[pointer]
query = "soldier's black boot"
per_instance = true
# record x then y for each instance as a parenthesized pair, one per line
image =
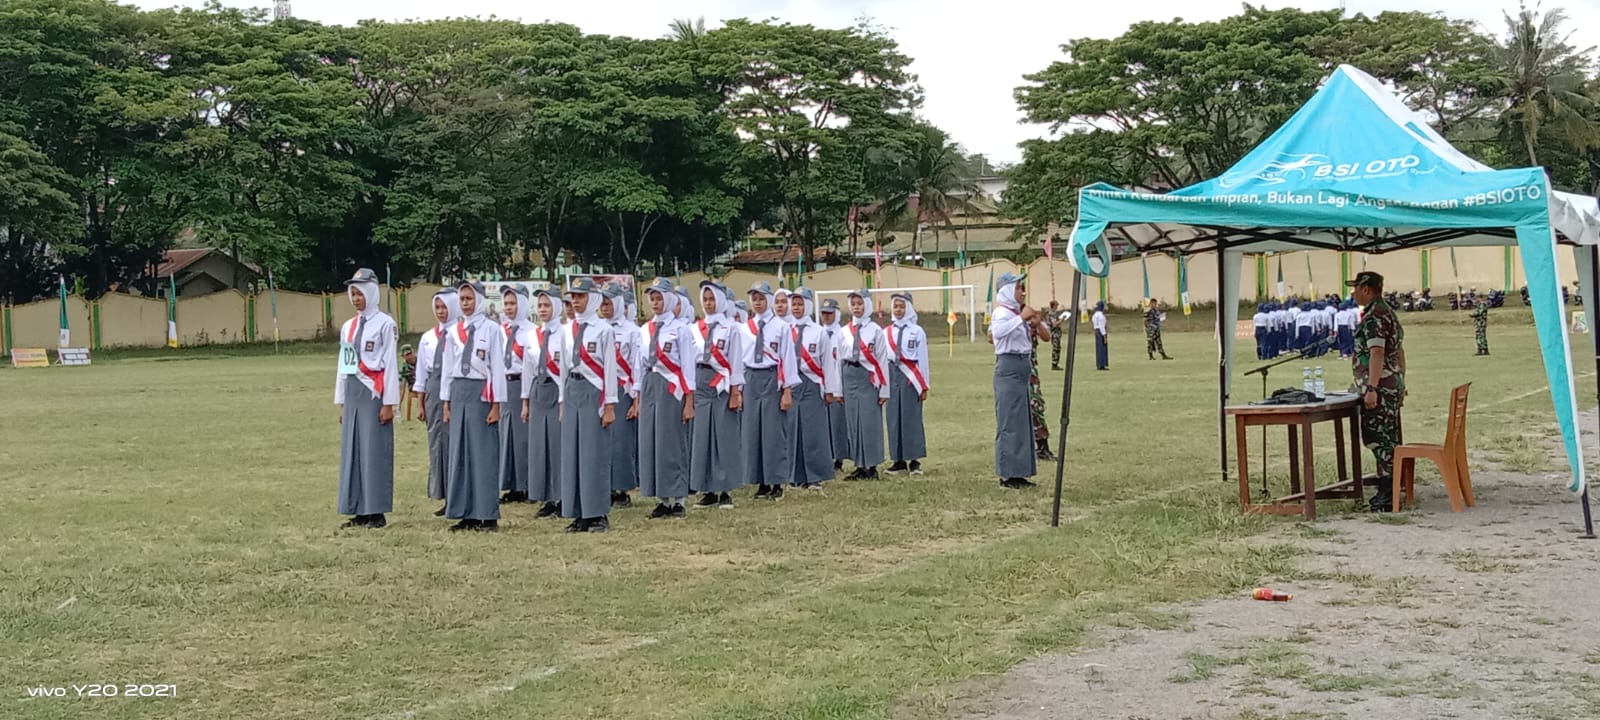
(1383, 499)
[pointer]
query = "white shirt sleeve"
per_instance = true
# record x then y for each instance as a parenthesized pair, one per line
(923, 362)
(735, 358)
(391, 366)
(1004, 322)
(613, 373)
(338, 379)
(497, 366)
(880, 349)
(449, 363)
(788, 360)
(831, 383)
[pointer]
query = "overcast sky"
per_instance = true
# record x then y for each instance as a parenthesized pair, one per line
(968, 55)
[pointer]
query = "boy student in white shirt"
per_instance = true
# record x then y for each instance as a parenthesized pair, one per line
(1102, 349)
(862, 384)
(367, 389)
(769, 377)
(908, 386)
(588, 408)
(474, 385)
(810, 444)
(430, 373)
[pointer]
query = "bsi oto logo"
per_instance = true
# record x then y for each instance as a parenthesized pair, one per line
(1370, 168)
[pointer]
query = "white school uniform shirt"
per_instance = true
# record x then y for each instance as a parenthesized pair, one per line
(1098, 320)
(542, 355)
(908, 345)
(728, 351)
(591, 357)
(486, 357)
(1260, 319)
(375, 352)
(674, 356)
(770, 347)
(811, 349)
(862, 342)
(629, 352)
(1329, 318)
(426, 346)
(1303, 320)
(1012, 336)
(517, 345)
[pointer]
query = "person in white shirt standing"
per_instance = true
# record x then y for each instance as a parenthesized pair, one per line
(862, 384)
(668, 395)
(810, 444)
(838, 437)
(588, 408)
(908, 386)
(1262, 331)
(367, 389)
(542, 372)
(513, 428)
(1012, 329)
(625, 432)
(1102, 349)
(473, 387)
(430, 372)
(768, 378)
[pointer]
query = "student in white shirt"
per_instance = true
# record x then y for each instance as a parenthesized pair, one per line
(1102, 349)
(908, 386)
(862, 383)
(430, 372)
(810, 442)
(668, 396)
(625, 432)
(588, 408)
(769, 376)
(367, 387)
(515, 307)
(716, 349)
(543, 369)
(474, 385)
(1012, 329)
(837, 435)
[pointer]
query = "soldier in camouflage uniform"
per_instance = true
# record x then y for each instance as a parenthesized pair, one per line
(1153, 318)
(1041, 431)
(1480, 325)
(1380, 377)
(1052, 319)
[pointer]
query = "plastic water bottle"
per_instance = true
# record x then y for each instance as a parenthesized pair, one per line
(1318, 384)
(1306, 382)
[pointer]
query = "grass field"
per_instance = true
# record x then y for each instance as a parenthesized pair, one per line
(170, 520)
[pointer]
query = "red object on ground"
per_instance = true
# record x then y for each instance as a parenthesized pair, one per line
(1272, 595)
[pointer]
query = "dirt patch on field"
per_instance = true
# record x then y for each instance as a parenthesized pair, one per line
(1489, 614)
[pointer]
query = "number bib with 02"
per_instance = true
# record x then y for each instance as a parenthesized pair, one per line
(347, 358)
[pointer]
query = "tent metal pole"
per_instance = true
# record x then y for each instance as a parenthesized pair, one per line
(1594, 336)
(1224, 335)
(1066, 393)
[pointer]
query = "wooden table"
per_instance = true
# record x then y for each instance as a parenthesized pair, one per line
(1298, 419)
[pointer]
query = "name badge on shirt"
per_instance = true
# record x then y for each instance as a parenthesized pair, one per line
(590, 346)
(347, 358)
(722, 344)
(666, 347)
(773, 345)
(812, 348)
(371, 346)
(912, 344)
(482, 354)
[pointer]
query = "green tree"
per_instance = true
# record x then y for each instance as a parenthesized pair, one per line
(38, 223)
(927, 184)
(1543, 77)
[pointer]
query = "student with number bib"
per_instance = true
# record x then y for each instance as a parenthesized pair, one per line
(542, 371)
(430, 372)
(908, 387)
(513, 426)
(474, 385)
(837, 436)
(666, 404)
(862, 384)
(588, 408)
(716, 461)
(810, 447)
(625, 431)
(367, 389)
(769, 376)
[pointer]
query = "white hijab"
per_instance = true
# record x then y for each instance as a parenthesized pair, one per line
(521, 317)
(770, 301)
(452, 304)
(724, 304)
(619, 310)
(369, 290)
(866, 307)
(556, 306)
(479, 307)
(1008, 297)
(911, 310)
(592, 313)
(669, 305)
(810, 306)
(741, 312)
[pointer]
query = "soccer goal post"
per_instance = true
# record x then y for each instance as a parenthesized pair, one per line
(932, 303)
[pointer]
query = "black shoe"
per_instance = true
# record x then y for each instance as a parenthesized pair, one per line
(725, 501)
(856, 474)
(598, 525)
(899, 466)
(621, 500)
(550, 509)
(355, 521)
(916, 467)
(1016, 483)
(870, 473)
(763, 491)
(513, 496)
(1166, 357)
(1382, 502)
(1055, 367)
(578, 526)
(838, 465)
(707, 500)
(776, 494)
(377, 521)
(439, 512)
(464, 525)
(487, 526)
(679, 511)
(661, 511)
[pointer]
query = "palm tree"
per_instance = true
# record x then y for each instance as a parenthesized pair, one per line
(932, 180)
(1543, 76)
(685, 30)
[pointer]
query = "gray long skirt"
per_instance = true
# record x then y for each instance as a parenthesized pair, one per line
(585, 458)
(907, 441)
(764, 431)
(838, 437)
(473, 493)
(513, 440)
(438, 438)
(544, 441)
(663, 440)
(810, 447)
(716, 463)
(366, 454)
(863, 418)
(624, 446)
(1013, 432)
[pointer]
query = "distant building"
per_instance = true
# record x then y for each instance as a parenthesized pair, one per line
(773, 261)
(200, 271)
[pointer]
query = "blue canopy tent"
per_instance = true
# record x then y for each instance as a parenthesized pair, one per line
(1356, 170)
